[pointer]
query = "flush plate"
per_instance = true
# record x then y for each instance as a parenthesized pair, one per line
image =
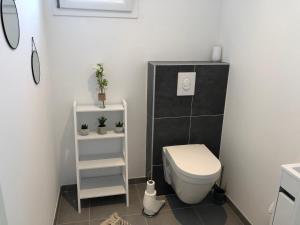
(186, 83)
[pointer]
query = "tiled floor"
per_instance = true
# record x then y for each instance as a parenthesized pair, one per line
(174, 212)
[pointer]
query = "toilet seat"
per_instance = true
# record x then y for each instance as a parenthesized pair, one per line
(193, 161)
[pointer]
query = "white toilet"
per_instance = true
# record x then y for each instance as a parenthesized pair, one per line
(191, 170)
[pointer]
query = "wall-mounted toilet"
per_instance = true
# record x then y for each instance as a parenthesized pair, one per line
(191, 170)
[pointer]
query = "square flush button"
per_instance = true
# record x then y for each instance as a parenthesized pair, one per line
(186, 84)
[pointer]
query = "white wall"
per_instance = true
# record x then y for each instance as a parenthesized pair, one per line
(262, 122)
(165, 30)
(28, 176)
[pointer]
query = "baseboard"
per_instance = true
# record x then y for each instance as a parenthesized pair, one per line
(57, 206)
(238, 212)
(137, 180)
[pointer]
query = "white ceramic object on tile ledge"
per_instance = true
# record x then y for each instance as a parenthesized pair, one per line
(191, 170)
(216, 55)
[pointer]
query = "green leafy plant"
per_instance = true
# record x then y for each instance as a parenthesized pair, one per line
(102, 121)
(84, 126)
(119, 124)
(102, 82)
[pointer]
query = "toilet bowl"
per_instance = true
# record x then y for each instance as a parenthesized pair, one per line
(191, 170)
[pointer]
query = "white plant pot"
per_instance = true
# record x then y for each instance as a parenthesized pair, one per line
(102, 130)
(84, 132)
(119, 129)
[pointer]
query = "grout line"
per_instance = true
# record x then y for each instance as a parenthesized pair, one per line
(215, 115)
(179, 117)
(170, 117)
(192, 101)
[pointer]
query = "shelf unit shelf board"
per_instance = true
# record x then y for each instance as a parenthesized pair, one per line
(94, 108)
(102, 186)
(99, 161)
(93, 135)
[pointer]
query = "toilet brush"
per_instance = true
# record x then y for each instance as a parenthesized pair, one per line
(219, 196)
(151, 205)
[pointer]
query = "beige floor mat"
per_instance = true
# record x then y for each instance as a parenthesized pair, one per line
(115, 219)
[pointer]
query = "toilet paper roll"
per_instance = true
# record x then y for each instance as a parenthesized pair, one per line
(150, 186)
(216, 54)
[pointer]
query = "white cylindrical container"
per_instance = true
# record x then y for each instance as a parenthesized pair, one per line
(216, 55)
(150, 187)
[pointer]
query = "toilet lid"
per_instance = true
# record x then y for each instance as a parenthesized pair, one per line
(193, 160)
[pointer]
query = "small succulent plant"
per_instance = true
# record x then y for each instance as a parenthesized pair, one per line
(84, 126)
(102, 121)
(119, 124)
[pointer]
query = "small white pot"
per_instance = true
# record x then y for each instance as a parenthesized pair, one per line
(119, 129)
(102, 130)
(84, 132)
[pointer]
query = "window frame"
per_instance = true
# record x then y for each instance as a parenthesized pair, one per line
(128, 10)
(99, 5)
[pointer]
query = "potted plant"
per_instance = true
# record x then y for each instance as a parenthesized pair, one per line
(119, 127)
(84, 131)
(102, 84)
(102, 125)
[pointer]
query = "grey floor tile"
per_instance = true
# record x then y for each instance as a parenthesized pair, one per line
(175, 203)
(68, 213)
(79, 223)
(136, 220)
(103, 207)
(176, 217)
(172, 201)
(133, 220)
(140, 189)
(175, 212)
(217, 215)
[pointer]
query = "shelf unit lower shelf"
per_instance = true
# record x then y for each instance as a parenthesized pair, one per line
(101, 161)
(102, 186)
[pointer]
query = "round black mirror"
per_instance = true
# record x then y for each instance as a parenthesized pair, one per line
(10, 22)
(35, 64)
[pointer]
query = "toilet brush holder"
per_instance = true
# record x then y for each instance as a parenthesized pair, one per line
(219, 196)
(151, 204)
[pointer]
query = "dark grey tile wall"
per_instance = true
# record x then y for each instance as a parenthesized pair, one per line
(176, 120)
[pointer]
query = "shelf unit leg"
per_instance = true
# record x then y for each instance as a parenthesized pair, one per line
(127, 200)
(79, 206)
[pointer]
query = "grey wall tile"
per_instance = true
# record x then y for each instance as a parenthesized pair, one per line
(207, 130)
(167, 103)
(171, 131)
(210, 89)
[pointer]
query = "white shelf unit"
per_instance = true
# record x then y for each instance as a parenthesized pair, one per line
(104, 184)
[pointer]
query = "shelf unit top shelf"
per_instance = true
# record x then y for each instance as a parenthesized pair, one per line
(94, 108)
(99, 161)
(102, 186)
(94, 136)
